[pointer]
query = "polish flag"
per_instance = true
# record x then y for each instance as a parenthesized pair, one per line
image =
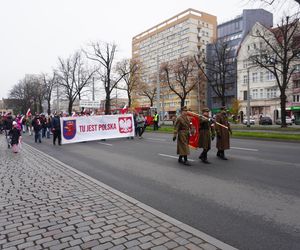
(124, 109)
(28, 113)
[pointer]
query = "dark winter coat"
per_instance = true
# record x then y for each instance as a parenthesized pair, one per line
(15, 135)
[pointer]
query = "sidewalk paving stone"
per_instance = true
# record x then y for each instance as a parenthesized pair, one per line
(45, 204)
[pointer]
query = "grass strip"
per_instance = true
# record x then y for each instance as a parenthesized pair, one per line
(266, 135)
(245, 134)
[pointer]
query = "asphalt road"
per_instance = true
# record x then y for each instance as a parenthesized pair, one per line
(251, 201)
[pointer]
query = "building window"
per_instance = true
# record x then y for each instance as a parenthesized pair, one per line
(261, 76)
(270, 76)
(245, 95)
(254, 77)
(296, 98)
(261, 93)
(245, 79)
(254, 94)
(245, 64)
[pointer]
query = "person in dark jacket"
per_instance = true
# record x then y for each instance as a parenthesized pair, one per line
(37, 127)
(15, 135)
(55, 125)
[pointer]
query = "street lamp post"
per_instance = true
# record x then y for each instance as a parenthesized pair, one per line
(248, 97)
(158, 87)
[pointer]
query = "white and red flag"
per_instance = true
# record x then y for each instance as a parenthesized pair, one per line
(28, 113)
(124, 109)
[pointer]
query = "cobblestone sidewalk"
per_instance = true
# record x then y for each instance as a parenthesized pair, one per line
(45, 204)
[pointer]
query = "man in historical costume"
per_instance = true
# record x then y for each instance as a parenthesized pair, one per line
(206, 134)
(182, 133)
(222, 130)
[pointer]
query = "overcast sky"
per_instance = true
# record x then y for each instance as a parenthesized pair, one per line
(34, 33)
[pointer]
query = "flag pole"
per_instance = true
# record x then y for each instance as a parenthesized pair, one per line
(207, 119)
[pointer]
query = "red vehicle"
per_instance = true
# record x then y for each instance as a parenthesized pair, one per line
(148, 112)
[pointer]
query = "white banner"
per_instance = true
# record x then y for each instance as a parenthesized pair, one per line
(89, 128)
(89, 104)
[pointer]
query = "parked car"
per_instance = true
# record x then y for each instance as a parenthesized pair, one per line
(252, 121)
(265, 120)
(288, 121)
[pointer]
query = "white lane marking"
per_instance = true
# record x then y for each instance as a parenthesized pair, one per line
(155, 139)
(247, 149)
(172, 156)
(106, 144)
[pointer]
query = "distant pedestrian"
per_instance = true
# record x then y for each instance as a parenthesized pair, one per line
(182, 133)
(48, 126)
(37, 127)
(206, 134)
(15, 136)
(55, 126)
(223, 130)
(140, 120)
(155, 121)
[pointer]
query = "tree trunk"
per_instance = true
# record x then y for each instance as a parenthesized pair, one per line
(282, 112)
(70, 107)
(49, 107)
(107, 105)
(129, 101)
(182, 102)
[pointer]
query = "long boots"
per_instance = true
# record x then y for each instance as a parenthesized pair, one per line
(203, 156)
(184, 161)
(221, 154)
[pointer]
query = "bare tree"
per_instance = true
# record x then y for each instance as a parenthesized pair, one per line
(30, 91)
(129, 69)
(279, 50)
(181, 77)
(20, 93)
(73, 76)
(148, 90)
(217, 68)
(104, 55)
(48, 84)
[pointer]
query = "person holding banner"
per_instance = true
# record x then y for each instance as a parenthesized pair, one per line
(206, 134)
(181, 133)
(223, 129)
(55, 127)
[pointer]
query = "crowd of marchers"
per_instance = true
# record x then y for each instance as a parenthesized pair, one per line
(43, 126)
(38, 125)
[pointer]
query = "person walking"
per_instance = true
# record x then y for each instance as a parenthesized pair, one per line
(37, 127)
(140, 120)
(223, 129)
(15, 135)
(206, 134)
(29, 124)
(55, 126)
(155, 121)
(182, 133)
(48, 125)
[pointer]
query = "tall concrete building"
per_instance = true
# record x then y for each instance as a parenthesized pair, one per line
(184, 34)
(233, 33)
